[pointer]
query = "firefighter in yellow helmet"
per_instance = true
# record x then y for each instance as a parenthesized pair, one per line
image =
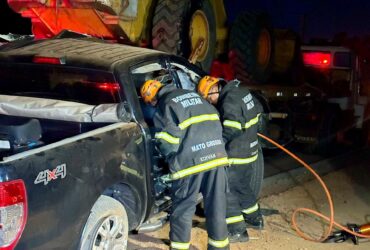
(149, 91)
(239, 113)
(196, 157)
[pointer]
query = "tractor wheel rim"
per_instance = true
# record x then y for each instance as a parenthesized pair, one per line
(199, 29)
(264, 48)
(110, 234)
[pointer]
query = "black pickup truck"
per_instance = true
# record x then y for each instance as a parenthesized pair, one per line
(78, 166)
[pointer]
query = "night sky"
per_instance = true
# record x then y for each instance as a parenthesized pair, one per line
(311, 18)
(328, 17)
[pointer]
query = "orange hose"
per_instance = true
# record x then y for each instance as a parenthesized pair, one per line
(307, 210)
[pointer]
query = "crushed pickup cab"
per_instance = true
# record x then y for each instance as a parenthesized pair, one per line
(78, 166)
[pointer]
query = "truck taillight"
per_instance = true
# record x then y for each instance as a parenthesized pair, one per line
(13, 213)
(320, 59)
(108, 86)
(48, 60)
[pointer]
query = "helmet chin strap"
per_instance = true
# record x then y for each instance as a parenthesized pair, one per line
(220, 86)
(221, 83)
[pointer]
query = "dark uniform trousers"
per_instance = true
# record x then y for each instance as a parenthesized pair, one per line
(241, 196)
(212, 185)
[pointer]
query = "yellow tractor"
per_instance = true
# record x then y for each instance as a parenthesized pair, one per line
(194, 29)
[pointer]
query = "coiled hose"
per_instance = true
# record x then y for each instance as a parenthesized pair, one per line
(330, 219)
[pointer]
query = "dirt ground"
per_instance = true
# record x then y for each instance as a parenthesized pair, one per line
(350, 189)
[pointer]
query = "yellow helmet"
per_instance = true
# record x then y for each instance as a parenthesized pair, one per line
(149, 90)
(205, 85)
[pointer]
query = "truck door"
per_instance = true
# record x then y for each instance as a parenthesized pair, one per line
(138, 74)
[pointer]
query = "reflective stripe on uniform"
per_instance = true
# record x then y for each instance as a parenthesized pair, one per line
(240, 161)
(180, 245)
(234, 219)
(218, 243)
(252, 122)
(167, 137)
(198, 119)
(251, 209)
(200, 168)
(232, 124)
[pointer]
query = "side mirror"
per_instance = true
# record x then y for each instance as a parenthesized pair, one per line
(124, 112)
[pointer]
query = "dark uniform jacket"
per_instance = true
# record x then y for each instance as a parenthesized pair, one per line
(189, 132)
(239, 114)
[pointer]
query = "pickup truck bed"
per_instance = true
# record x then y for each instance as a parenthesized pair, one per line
(62, 184)
(66, 161)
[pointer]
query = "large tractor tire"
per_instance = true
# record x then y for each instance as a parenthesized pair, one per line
(288, 64)
(178, 25)
(251, 47)
(287, 49)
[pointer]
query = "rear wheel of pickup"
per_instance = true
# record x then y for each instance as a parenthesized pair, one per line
(106, 227)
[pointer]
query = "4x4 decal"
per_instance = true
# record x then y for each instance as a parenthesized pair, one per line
(47, 175)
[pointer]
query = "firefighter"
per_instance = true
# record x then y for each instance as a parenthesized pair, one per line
(239, 113)
(196, 157)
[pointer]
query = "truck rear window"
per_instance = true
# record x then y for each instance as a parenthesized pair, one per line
(69, 84)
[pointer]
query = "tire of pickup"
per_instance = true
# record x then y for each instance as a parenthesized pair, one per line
(251, 47)
(174, 19)
(107, 226)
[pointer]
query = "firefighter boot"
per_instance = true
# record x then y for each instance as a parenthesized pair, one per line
(254, 220)
(238, 236)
